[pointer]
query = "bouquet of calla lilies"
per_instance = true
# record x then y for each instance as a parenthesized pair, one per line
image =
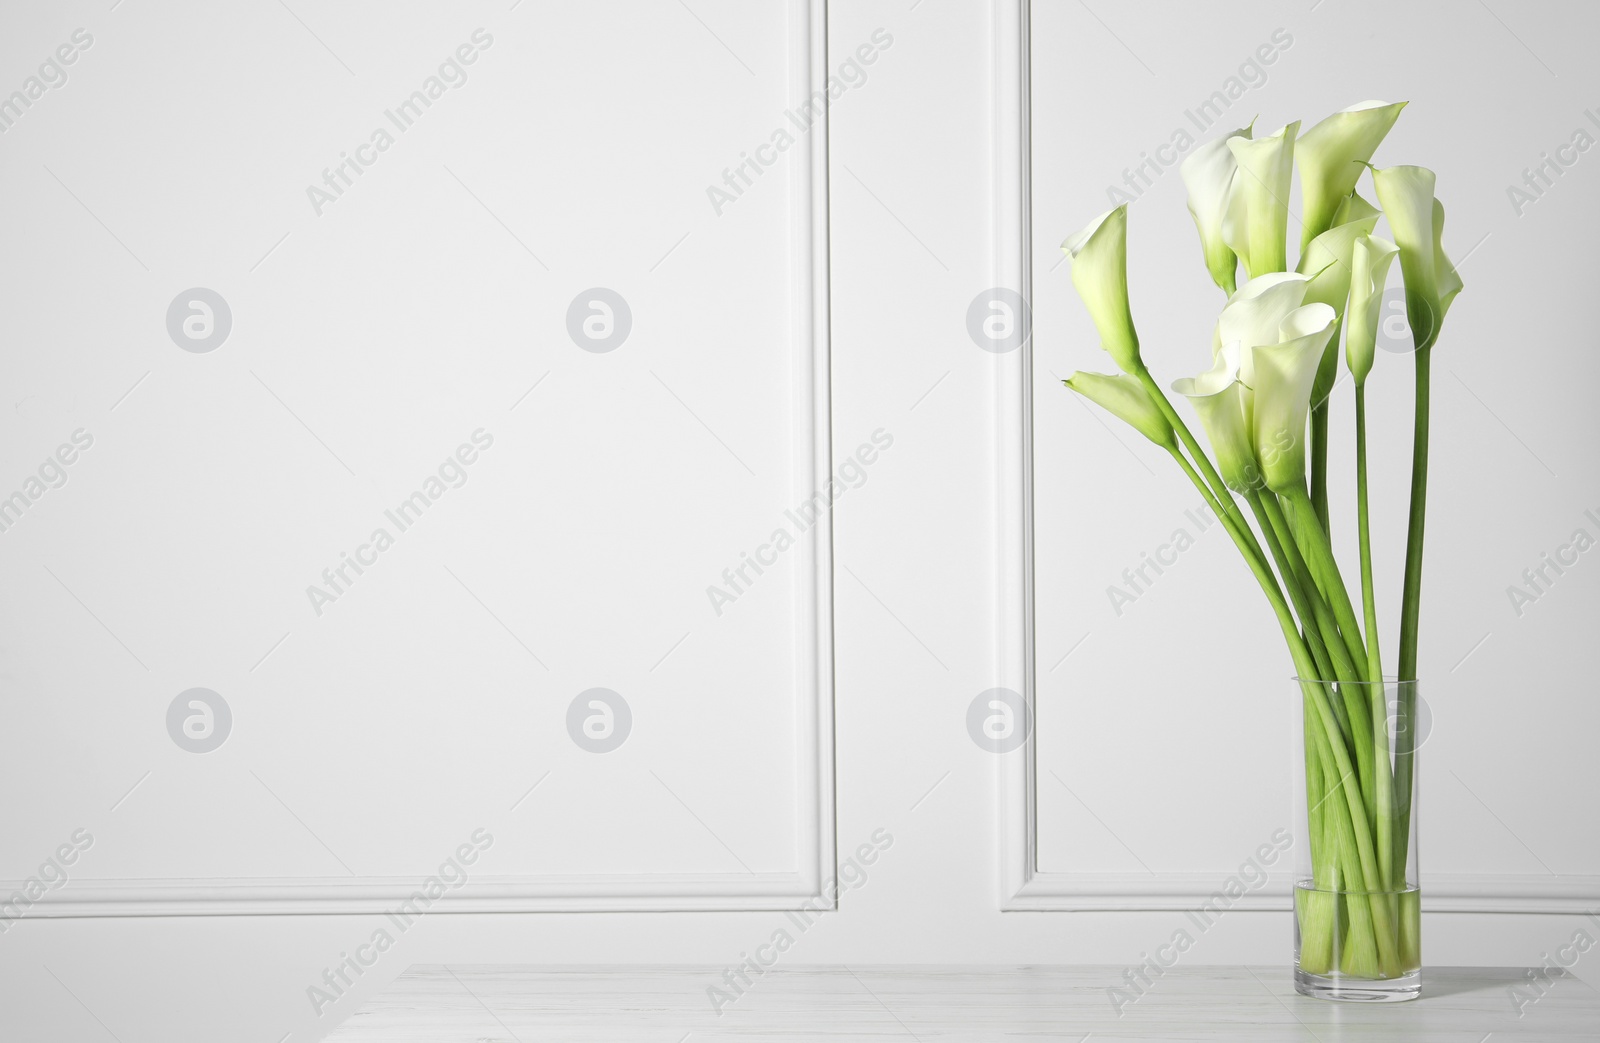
(1263, 405)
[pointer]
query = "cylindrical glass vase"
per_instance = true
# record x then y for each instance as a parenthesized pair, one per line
(1358, 914)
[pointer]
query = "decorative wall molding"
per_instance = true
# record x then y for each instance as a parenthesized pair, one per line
(1023, 886)
(563, 894)
(1441, 893)
(804, 888)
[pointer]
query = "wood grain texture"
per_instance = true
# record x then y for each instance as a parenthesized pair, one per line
(509, 1004)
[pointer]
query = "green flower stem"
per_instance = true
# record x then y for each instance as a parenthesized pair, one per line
(1369, 602)
(1324, 866)
(1370, 925)
(1383, 782)
(1317, 612)
(1303, 663)
(1356, 719)
(1349, 709)
(1297, 582)
(1318, 551)
(1223, 499)
(1373, 946)
(1355, 835)
(1328, 855)
(1341, 844)
(1410, 607)
(1321, 390)
(1318, 909)
(1412, 600)
(1319, 458)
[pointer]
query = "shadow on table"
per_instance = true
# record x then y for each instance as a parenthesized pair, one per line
(1438, 982)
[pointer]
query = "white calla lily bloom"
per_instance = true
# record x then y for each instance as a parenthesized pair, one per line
(1284, 374)
(1222, 400)
(1258, 210)
(1416, 218)
(1369, 269)
(1100, 273)
(1208, 176)
(1253, 315)
(1330, 156)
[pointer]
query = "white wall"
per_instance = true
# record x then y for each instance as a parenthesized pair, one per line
(408, 510)
(916, 594)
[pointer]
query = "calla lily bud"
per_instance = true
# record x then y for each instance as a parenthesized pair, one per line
(1328, 261)
(1284, 374)
(1125, 398)
(1208, 175)
(1417, 220)
(1223, 402)
(1369, 269)
(1331, 155)
(1258, 210)
(1100, 272)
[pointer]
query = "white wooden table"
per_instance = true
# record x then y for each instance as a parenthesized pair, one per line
(519, 1004)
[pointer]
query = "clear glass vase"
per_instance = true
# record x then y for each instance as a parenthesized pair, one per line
(1358, 914)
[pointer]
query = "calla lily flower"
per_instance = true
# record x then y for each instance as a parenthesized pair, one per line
(1208, 175)
(1258, 209)
(1369, 269)
(1253, 315)
(1331, 155)
(1284, 374)
(1223, 402)
(1252, 322)
(1125, 398)
(1100, 272)
(1327, 260)
(1417, 220)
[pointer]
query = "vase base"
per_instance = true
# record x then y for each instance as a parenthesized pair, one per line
(1358, 990)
